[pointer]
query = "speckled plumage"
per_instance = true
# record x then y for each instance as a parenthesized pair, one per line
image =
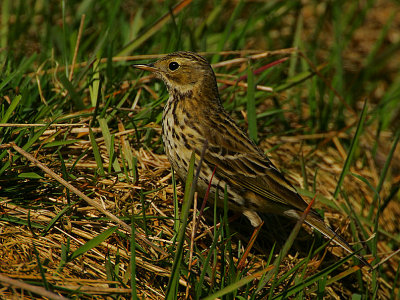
(194, 113)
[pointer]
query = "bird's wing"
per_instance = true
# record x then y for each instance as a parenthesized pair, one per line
(243, 165)
(246, 167)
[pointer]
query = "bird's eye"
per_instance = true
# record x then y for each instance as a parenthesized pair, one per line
(173, 66)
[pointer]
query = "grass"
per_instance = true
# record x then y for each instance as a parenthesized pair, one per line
(316, 85)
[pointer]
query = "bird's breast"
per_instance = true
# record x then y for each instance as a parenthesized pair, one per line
(179, 138)
(182, 134)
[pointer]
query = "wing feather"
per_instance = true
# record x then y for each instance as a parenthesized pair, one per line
(245, 166)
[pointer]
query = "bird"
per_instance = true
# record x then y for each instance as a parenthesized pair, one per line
(193, 117)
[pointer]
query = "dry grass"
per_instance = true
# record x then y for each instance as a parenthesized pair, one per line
(82, 222)
(30, 253)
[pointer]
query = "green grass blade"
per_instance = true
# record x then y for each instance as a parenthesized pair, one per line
(75, 97)
(96, 152)
(5, 17)
(133, 260)
(10, 110)
(94, 242)
(41, 269)
(228, 29)
(199, 285)
(57, 217)
(153, 29)
(351, 151)
(233, 287)
(65, 248)
(176, 203)
(251, 105)
(60, 143)
(396, 279)
(143, 202)
(293, 81)
(20, 221)
(30, 175)
(20, 70)
(384, 171)
(312, 279)
(285, 249)
(187, 201)
(109, 145)
(94, 88)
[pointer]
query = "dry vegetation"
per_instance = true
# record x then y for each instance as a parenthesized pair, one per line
(31, 252)
(20, 243)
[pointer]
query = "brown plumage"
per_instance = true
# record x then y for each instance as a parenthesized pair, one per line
(194, 114)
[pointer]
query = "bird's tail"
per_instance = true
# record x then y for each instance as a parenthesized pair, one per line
(316, 222)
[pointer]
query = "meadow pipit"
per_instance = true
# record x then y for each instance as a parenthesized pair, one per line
(194, 114)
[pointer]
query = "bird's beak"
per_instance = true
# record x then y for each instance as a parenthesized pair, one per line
(148, 67)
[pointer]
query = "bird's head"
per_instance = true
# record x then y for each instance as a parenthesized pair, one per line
(183, 72)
